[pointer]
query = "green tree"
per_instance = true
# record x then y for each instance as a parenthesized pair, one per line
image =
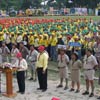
(6, 4)
(26, 4)
(36, 3)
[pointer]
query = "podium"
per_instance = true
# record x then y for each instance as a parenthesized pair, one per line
(9, 82)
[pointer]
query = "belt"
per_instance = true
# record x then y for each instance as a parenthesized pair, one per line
(88, 69)
(33, 61)
(74, 69)
(62, 67)
(40, 67)
(97, 52)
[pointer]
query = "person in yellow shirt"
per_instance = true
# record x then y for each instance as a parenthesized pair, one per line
(31, 39)
(13, 38)
(1, 39)
(42, 64)
(45, 41)
(36, 41)
(40, 40)
(53, 52)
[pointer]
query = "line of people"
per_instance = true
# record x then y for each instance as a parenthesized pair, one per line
(89, 65)
(37, 60)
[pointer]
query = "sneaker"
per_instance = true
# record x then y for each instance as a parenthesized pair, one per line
(91, 95)
(98, 98)
(77, 91)
(65, 88)
(22, 92)
(39, 89)
(44, 90)
(59, 86)
(86, 93)
(31, 79)
(35, 80)
(18, 91)
(71, 90)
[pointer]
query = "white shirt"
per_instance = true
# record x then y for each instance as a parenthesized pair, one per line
(7, 39)
(13, 55)
(97, 48)
(19, 39)
(36, 44)
(63, 62)
(89, 62)
(22, 65)
(0, 55)
(33, 55)
(14, 52)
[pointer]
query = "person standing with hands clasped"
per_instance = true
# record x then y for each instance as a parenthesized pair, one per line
(63, 61)
(32, 58)
(42, 64)
(21, 64)
(90, 63)
(75, 66)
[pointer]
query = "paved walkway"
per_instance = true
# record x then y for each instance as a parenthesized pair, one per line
(33, 94)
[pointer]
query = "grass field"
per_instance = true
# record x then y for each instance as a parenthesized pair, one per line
(95, 18)
(54, 74)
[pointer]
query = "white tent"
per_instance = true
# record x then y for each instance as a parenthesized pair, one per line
(44, 2)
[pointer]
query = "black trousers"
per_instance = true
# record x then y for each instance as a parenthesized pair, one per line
(21, 80)
(42, 78)
(0, 43)
(9, 46)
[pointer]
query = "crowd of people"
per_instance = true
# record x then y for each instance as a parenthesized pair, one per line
(72, 43)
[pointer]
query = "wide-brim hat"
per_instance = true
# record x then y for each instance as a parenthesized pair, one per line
(75, 53)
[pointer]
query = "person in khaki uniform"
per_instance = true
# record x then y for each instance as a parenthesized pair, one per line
(90, 63)
(97, 55)
(5, 52)
(75, 65)
(63, 61)
(97, 52)
(32, 58)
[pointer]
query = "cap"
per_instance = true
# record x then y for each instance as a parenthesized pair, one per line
(54, 98)
(42, 48)
(18, 55)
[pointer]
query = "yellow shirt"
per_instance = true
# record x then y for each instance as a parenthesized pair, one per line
(31, 40)
(1, 38)
(13, 39)
(45, 43)
(54, 41)
(40, 42)
(85, 44)
(42, 60)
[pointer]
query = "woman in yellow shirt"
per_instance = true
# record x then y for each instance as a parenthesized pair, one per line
(31, 39)
(1, 38)
(53, 52)
(40, 40)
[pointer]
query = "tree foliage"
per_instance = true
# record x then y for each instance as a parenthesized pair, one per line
(24, 4)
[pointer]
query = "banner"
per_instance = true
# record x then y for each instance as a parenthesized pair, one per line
(75, 44)
(62, 46)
